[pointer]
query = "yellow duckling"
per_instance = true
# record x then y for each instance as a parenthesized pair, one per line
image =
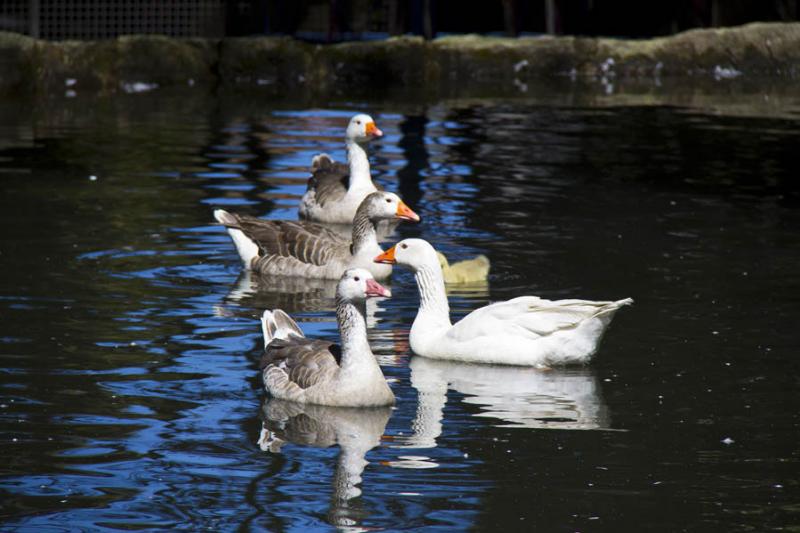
(468, 271)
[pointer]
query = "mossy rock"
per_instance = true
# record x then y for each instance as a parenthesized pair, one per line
(278, 62)
(283, 65)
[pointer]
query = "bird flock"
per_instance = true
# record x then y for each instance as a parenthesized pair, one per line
(527, 330)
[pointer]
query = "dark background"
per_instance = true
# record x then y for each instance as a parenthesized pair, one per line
(340, 20)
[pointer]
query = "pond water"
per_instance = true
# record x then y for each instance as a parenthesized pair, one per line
(130, 396)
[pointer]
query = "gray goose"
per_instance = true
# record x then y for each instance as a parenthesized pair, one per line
(335, 190)
(306, 249)
(304, 370)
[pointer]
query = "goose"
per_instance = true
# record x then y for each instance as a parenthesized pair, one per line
(467, 271)
(335, 190)
(306, 249)
(527, 330)
(304, 370)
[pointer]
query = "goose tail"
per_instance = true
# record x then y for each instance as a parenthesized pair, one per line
(278, 325)
(225, 218)
(321, 161)
(247, 248)
(612, 307)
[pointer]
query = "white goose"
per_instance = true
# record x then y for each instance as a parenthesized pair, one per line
(320, 372)
(336, 190)
(526, 331)
(306, 249)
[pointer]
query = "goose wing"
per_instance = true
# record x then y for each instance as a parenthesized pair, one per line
(306, 362)
(305, 241)
(529, 316)
(330, 185)
(329, 180)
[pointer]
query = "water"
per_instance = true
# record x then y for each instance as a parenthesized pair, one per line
(130, 397)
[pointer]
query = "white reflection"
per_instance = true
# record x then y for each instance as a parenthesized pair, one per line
(355, 430)
(514, 396)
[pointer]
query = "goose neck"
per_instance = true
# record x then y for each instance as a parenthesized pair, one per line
(432, 296)
(359, 165)
(351, 318)
(365, 231)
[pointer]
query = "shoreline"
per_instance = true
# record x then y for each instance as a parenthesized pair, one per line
(281, 65)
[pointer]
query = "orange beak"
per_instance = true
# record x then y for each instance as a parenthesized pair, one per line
(386, 257)
(373, 130)
(405, 213)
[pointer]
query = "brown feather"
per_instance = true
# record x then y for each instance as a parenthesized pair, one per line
(330, 182)
(305, 361)
(306, 242)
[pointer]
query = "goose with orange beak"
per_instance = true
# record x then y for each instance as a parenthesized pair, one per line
(335, 190)
(527, 330)
(306, 249)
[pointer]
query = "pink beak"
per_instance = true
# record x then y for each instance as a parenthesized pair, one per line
(376, 289)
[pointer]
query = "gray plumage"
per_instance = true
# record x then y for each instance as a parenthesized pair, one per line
(329, 180)
(321, 372)
(308, 249)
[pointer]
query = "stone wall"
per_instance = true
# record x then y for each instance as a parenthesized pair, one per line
(283, 65)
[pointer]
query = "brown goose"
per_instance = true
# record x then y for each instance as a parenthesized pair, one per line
(289, 248)
(335, 190)
(320, 372)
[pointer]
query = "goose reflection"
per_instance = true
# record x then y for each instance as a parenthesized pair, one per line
(514, 396)
(291, 294)
(355, 430)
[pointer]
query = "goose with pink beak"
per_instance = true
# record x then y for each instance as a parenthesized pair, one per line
(320, 372)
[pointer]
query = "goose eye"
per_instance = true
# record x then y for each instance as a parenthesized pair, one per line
(403, 246)
(388, 200)
(357, 278)
(358, 122)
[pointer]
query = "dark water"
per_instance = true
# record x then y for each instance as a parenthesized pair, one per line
(130, 396)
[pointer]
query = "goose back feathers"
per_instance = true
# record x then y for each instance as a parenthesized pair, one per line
(290, 248)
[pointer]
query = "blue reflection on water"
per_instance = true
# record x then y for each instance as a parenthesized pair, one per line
(131, 396)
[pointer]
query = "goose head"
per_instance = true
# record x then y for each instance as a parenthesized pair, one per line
(413, 253)
(357, 284)
(362, 129)
(386, 206)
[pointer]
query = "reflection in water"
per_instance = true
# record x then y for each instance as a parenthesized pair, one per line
(292, 294)
(131, 409)
(520, 397)
(355, 430)
(472, 290)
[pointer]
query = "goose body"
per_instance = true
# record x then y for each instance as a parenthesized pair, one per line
(304, 370)
(335, 190)
(467, 271)
(527, 330)
(306, 249)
